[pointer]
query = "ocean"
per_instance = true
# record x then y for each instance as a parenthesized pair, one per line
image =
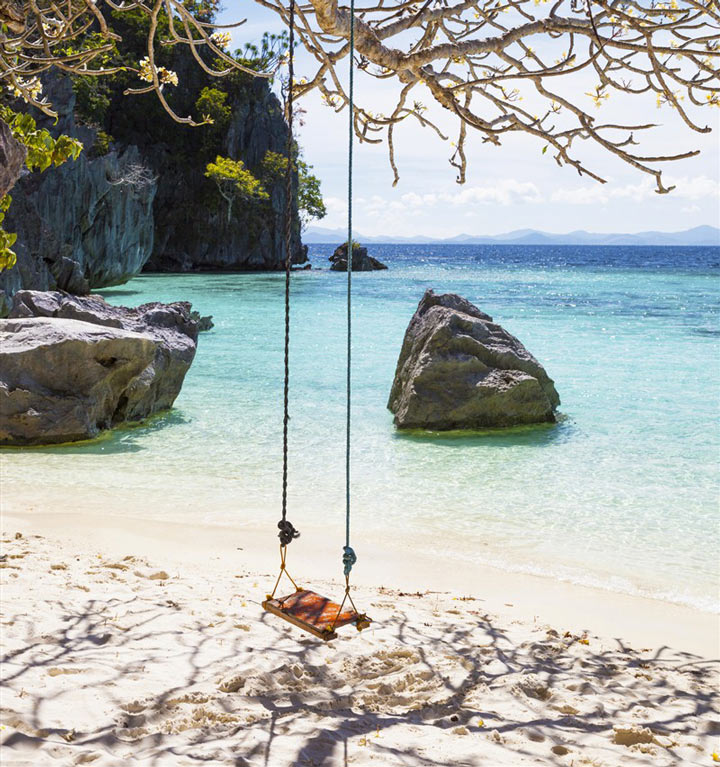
(622, 493)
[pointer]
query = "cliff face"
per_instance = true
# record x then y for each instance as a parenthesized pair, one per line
(12, 159)
(87, 224)
(137, 197)
(192, 230)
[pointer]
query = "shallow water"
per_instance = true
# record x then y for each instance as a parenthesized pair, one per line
(621, 493)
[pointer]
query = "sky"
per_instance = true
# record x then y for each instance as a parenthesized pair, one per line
(514, 186)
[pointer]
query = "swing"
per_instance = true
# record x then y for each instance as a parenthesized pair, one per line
(303, 608)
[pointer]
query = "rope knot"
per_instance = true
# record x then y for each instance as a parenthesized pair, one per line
(349, 559)
(287, 533)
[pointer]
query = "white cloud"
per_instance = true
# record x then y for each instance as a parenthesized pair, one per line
(505, 192)
(696, 188)
(335, 204)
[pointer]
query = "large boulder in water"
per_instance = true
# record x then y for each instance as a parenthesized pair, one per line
(71, 367)
(460, 370)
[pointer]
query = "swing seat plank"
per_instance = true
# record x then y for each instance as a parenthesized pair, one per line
(312, 612)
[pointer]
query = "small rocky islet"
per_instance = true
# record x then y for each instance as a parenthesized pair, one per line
(361, 261)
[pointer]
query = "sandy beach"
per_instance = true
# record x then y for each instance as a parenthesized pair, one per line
(124, 640)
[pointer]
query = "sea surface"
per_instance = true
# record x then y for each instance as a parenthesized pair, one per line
(621, 493)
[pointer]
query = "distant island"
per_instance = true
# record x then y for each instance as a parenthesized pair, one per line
(698, 236)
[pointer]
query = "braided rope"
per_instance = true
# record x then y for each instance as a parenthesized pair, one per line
(349, 556)
(287, 531)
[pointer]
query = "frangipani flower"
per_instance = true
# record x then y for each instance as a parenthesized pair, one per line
(221, 39)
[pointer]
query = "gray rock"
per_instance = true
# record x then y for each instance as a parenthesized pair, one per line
(12, 159)
(361, 262)
(55, 348)
(460, 370)
(204, 323)
(65, 380)
(86, 224)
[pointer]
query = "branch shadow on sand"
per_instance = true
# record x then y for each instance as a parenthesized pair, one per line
(227, 699)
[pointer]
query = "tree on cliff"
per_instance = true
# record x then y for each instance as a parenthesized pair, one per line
(499, 67)
(235, 182)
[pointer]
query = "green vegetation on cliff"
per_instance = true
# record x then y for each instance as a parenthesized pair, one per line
(102, 104)
(186, 172)
(43, 152)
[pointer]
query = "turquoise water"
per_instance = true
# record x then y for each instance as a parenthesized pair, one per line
(621, 493)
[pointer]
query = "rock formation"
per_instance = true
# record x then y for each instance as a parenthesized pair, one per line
(192, 231)
(71, 366)
(87, 224)
(361, 262)
(12, 159)
(137, 196)
(204, 323)
(460, 370)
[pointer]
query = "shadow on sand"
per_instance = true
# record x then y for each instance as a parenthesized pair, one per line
(487, 656)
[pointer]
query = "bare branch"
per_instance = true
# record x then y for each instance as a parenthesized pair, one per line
(496, 67)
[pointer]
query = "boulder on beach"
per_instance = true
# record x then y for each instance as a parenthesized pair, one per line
(72, 366)
(460, 370)
(361, 262)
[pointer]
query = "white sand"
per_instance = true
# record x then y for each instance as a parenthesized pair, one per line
(146, 642)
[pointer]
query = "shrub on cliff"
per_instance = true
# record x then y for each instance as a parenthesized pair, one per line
(234, 181)
(309, 197)
(43, 152)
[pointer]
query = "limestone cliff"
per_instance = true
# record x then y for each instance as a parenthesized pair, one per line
(192, 231)
(87, 224)
(138, 197)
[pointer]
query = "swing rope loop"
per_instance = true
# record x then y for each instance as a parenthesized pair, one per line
(288, 533)
(349, 559)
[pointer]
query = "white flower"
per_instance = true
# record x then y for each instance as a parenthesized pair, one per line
(221, 39)
(165, 76)
(27, 90)
(146, 72)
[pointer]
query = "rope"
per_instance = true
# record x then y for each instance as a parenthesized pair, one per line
(287, 531)
(349, 556)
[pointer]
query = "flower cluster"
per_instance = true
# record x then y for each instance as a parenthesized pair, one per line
(28, 90)
(165, 76)
(51, 27)
(599, 95)
(221, 39)
(664, 98)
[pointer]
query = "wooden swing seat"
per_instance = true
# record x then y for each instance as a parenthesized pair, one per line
(314, 613)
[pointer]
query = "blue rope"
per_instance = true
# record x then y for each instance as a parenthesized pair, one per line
(349, 557)
(288, 533)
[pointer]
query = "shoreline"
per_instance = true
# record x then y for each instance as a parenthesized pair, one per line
(126, 639)
(216, 509)
(642, 621)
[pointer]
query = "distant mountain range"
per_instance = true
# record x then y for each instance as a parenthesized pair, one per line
(699, 236)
